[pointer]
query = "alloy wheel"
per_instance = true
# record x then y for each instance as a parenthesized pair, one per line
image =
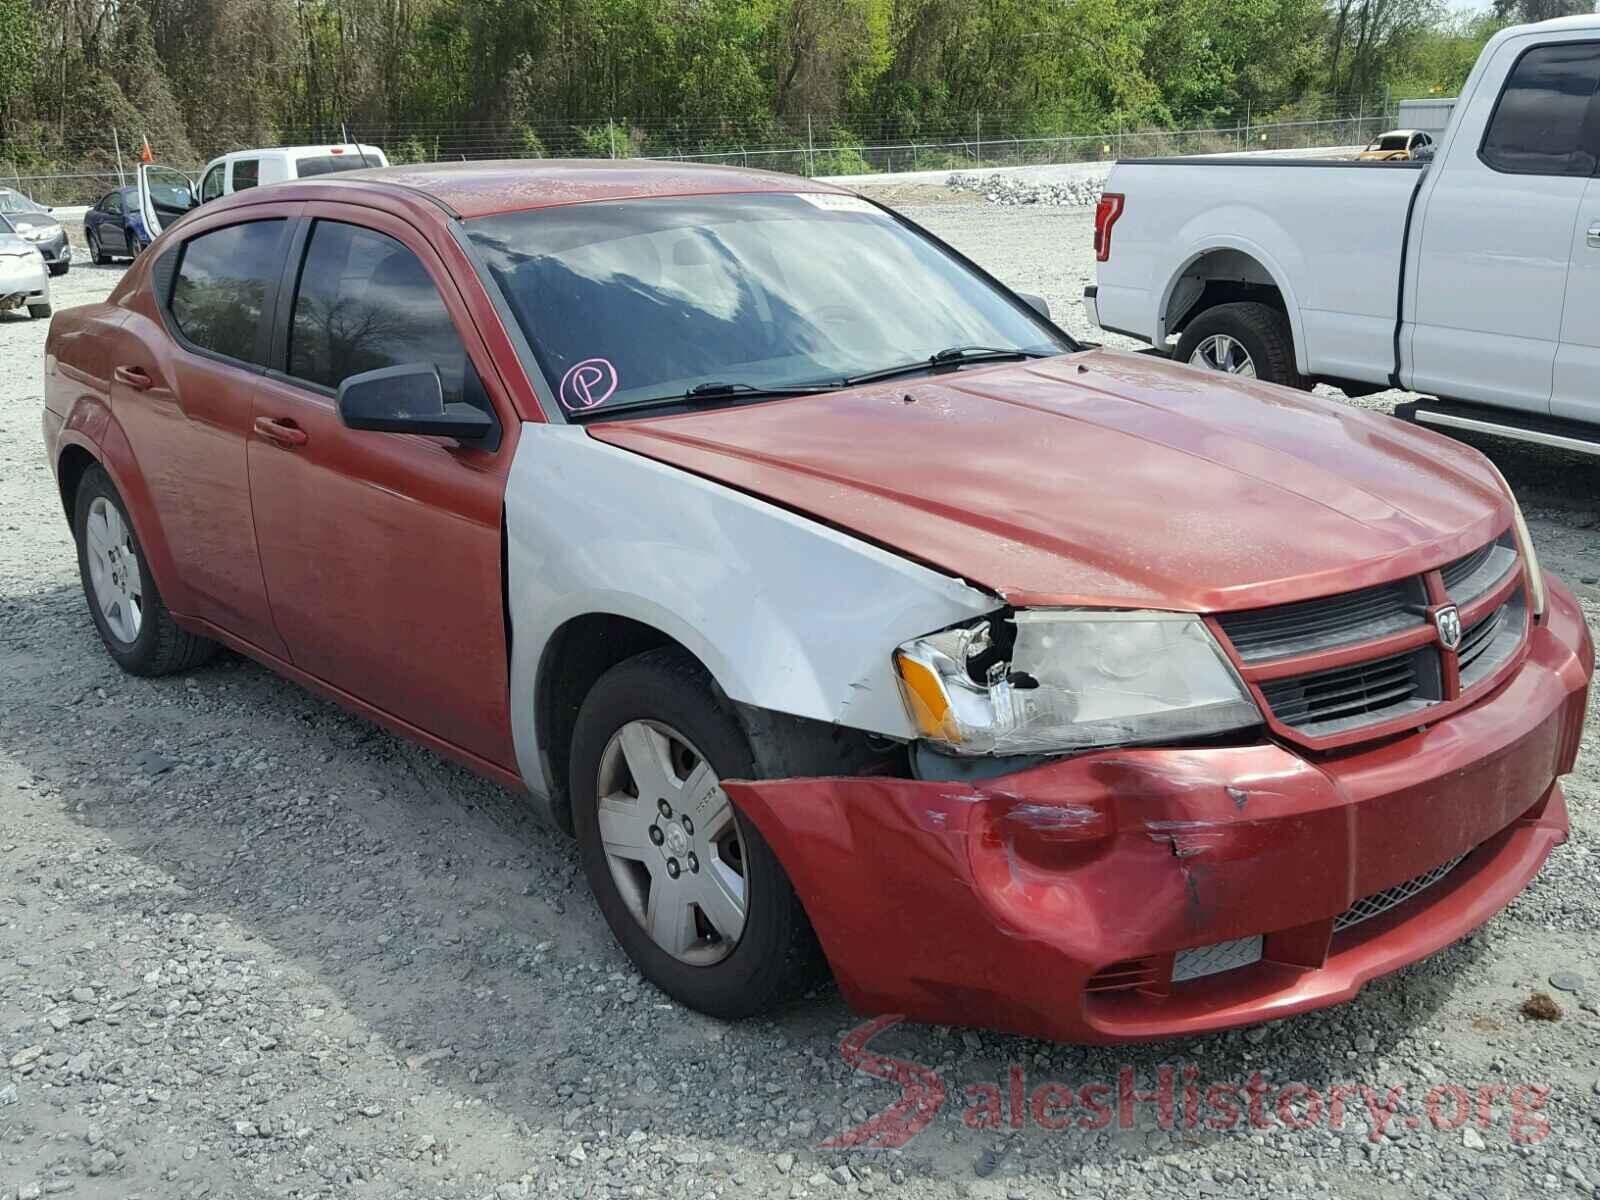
(1220, 352)
(114, 570)
(672, 841)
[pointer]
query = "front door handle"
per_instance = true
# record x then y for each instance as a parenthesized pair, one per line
(282, 431)
(1594, 236)
(136, 378)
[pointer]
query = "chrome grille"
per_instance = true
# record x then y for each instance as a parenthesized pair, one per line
(1381, 902)
(1328, 702)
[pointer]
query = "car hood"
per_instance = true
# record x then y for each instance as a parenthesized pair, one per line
(31, 221)
(1105, 478)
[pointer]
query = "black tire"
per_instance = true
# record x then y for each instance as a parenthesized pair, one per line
(39, 311)
(160, 647)
(1263, 331)
(59, 269)
(776, 955)
(96, 255)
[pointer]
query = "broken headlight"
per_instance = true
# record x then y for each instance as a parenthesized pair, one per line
(1043, 681)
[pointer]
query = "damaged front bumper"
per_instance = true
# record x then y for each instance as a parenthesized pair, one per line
(1144, 893)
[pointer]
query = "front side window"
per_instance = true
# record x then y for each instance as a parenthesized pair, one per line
(364, 302)
(222, 284)
(246, 173)
(112, 203)
(1541, 124)
(642, 300)
(211, 185)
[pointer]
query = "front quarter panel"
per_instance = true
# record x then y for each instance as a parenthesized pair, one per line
(786, 614)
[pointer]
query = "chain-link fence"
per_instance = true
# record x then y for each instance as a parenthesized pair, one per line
(806, 148)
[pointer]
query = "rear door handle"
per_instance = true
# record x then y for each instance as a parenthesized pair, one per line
(1594, 236)
(135, 377)
(281, 430)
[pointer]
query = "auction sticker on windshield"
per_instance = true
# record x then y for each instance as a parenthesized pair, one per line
(833, 202)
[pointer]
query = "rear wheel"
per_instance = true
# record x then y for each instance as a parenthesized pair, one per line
(690, 888)
(134, 624)
(1246, 339)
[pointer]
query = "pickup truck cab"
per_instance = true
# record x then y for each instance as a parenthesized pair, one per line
(1475, 277)
(829, 594)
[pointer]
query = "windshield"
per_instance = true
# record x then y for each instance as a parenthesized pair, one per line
(640, 300)
(1389, 141)
(16, 202)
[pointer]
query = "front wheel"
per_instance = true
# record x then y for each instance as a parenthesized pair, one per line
(59, 269)
(127, 610)
(96, 255)
(39, 311)
(1246, 339)
(688, 885)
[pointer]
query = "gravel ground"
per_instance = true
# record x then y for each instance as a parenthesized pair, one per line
(252, 946)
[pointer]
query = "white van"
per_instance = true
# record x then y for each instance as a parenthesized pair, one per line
(166, 194)
(250, 168)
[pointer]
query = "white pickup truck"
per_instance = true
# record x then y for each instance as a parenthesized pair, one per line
(1474, 277)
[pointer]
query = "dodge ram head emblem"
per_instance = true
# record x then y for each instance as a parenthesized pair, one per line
(1448, 622)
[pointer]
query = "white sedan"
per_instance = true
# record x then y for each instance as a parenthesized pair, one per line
(24, 277)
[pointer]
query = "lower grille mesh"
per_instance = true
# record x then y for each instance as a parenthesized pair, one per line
(1381, 902)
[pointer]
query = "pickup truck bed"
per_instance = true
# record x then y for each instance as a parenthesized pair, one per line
(1240, 219)
(1474, 277)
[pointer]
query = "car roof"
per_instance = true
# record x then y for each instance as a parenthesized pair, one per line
(478, 189)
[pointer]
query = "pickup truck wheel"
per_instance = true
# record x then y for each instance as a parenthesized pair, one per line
(134, 624)
(1246, 339)
(688, 885)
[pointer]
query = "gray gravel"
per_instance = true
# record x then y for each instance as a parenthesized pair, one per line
(252, 946)
(1012, 190)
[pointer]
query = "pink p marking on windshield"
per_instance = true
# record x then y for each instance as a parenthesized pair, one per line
(588, 383)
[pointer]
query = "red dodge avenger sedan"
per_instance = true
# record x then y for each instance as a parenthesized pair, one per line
(841, 605)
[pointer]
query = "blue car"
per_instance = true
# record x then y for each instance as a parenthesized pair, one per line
(113, 228)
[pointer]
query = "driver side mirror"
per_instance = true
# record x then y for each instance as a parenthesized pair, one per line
(1038, 303)
(409, 399)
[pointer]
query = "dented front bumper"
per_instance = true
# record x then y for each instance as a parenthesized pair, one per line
(1054, 902)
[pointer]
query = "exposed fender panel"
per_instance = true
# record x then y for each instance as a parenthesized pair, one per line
(785, 613)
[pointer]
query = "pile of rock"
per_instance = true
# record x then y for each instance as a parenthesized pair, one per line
(1014, 190)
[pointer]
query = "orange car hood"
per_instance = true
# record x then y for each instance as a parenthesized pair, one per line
(1104, 478)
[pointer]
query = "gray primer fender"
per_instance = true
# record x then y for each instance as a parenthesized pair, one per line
(787, 614)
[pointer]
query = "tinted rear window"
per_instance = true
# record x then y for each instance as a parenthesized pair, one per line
(246, 173)
(223, 281)
(1541, 124)
(327, 164)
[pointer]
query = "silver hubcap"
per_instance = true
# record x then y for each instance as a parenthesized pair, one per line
(114, 570)
(1219, 352)
(672, 842)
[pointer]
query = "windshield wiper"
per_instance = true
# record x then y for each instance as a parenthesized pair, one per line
(716, 388)
(954, 356)
(713, 390)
